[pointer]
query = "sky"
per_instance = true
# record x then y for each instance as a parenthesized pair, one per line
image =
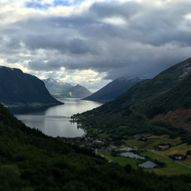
(92, 42)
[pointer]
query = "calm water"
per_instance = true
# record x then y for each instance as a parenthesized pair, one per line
(132, 155)
(55, 121)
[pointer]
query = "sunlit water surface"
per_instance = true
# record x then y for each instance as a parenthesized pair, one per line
(55, 121)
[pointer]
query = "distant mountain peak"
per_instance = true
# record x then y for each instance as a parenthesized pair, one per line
(78, 86)
(113, 89)
(51, 79)
(164, 100)
(62, 89)
(79, 91)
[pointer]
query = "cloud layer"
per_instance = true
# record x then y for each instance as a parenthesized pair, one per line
(97, 39)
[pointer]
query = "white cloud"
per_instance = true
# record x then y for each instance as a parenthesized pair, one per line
(95, 39)
(115, 21)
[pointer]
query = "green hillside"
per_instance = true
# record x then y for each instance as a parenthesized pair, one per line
(31, 161)
(178, 97)
(113, 90)
(133, 112)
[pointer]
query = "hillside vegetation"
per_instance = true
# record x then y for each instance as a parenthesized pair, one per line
(113, 89)
(31, 161)
(139, 109)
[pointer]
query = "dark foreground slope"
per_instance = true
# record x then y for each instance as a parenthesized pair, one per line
(113, 89)
(136, 110)
(32, 161)
(18, 88)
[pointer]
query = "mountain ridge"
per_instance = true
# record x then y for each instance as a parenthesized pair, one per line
(113, 89)
(67, 90)
(133, 111)
(17, 87)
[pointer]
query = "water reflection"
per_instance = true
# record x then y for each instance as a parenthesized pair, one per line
(55, 121)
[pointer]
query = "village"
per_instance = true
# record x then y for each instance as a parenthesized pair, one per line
(143, 151)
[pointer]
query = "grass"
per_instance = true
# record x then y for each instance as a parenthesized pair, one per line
(123, 161)
(147, 149)
(180, 149)
(171, 167)
(152, 142)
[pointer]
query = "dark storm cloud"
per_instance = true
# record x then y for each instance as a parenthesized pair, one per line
(115, 9)
(153, 38)
(62, 44)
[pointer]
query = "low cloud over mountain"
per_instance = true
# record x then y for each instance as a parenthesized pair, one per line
(101, 39)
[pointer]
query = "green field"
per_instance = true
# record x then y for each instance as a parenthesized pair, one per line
(147, 149)
(171, 167)
(152, 142)
(123, 161)
(180, 149)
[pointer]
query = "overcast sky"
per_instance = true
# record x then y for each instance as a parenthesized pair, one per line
(93, 41)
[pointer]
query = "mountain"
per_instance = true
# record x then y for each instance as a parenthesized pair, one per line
(30, 160)
(60, 89)
(113, 89)
(20, 88)
(78, 91)
(149, 106)
(57, 88)
(173, 107)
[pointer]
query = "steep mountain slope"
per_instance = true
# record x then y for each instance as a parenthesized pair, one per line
(59, 89)
(174, 107)
(30, 160)
(17, 87)
(144, 92)
(113, 89)
(132, 112)
(56, 88)
(78, 91)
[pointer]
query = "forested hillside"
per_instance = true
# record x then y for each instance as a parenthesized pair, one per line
(30, 160)
(140, 108)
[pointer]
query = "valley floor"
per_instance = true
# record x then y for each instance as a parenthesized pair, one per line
(148, 147)
(174, 160)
